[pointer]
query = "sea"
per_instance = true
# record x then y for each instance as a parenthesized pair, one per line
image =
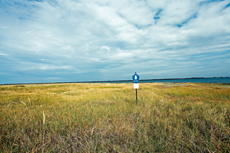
(225, 80)
(182, 80)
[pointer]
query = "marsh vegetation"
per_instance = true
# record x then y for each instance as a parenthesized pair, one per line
(168, 117)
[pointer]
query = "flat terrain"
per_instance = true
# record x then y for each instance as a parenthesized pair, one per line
(168, 117)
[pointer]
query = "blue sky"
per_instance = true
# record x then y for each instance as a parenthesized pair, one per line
(93, 40)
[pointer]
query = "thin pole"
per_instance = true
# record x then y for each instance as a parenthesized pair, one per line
(136, 95)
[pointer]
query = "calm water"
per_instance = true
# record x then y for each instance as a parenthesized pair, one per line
(204, 80)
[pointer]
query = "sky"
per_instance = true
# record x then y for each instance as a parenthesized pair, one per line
(93, 40)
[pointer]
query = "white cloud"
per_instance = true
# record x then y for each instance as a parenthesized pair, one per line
(2, 54)
(111, 36)
(105, 48)
(48, 67)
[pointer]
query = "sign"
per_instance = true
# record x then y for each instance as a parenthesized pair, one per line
(135, 78)
(136, 85)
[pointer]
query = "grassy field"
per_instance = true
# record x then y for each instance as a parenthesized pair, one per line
(168, 117)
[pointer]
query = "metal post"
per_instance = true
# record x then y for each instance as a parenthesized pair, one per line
(136, 95)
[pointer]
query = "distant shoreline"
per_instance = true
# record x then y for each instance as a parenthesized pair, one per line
(119, 81)
(158, 79)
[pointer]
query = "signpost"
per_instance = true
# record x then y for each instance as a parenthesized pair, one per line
(135, 78)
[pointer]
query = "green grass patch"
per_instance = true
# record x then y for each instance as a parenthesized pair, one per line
(95, 117)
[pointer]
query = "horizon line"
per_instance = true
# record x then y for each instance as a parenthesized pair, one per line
(116, 80)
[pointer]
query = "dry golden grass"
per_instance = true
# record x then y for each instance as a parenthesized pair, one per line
(169, 117)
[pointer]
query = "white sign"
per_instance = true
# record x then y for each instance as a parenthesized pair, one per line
(136, 85)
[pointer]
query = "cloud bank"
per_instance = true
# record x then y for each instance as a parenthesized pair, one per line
(85, 40)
